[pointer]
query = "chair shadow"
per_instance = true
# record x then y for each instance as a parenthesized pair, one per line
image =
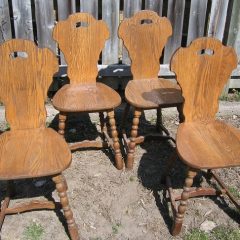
(26, 189)
(152, 170)
(80, 127)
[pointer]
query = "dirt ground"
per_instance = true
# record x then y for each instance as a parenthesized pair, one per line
(120, 205)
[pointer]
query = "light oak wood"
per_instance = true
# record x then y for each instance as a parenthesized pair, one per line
(203, 142)
(152, 93)
(86, 98)
(81, 38)
(30, 149)
(145, 35)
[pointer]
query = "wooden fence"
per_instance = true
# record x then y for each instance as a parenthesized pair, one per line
(35, 19)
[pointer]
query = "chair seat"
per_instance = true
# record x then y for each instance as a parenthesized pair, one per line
(208, 145)
(32, 153)
(86, 98)
(153, 93)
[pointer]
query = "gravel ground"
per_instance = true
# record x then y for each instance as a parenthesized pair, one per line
(119, 205)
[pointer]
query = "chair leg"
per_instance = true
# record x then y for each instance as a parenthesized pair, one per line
(5, 203)
(61, 187)
(178, 221)
(132, 143)
(102, 123)
(116, 144)
(61, 124)
(180, 113)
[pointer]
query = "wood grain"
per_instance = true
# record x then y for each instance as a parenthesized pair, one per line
(208, 145)
(25, 109)
(86, 98)
(145, 42)
(207, 75)
(81, 45)
(28, 149)
(152, 93)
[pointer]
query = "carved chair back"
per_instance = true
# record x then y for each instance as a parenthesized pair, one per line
(81, 38)
(201, 70)
(145, 35)
(26, 73)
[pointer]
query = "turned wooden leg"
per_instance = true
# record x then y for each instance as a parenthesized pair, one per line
(115, 139)
(132, 143)
(178, 221)
(61, 124)
(180, 113)
(61, 187)
(6, 201)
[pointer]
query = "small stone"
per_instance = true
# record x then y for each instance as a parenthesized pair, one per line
(234, 117)
(207, 226)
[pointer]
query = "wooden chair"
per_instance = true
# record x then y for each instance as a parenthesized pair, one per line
(144, 36)
(203, 143)
(81, 39)
(29, 149)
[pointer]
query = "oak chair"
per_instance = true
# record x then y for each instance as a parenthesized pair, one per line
(145, 35)
(203, 143)
(29, 149)
(81, 39)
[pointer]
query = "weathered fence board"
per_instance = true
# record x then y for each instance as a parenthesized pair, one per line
(130, 8)
(197, 18)
(110, 14)
(175, 15)
(64, 9)
(90, 6)
(154, 5)
(22, 16)
(5, 25)
(45, 18)
(217, 18)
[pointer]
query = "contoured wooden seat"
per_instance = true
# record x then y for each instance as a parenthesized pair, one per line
(145, 35)
(29, 149)
(203, 143)
(81, 39)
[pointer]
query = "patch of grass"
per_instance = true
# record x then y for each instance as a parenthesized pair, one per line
(218, 233)
(33, 232)
(196, 234)
(233, 96)
(225, 233)
(234, 192)
(115, 228)
(7, 127)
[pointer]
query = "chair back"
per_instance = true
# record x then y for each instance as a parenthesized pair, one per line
(145, 35)
(81, 38)
(202, 70)
(26, 73)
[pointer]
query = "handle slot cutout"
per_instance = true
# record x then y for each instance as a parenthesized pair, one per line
(81, 24)
(18, 54)
(207, 51)
(146, 21)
